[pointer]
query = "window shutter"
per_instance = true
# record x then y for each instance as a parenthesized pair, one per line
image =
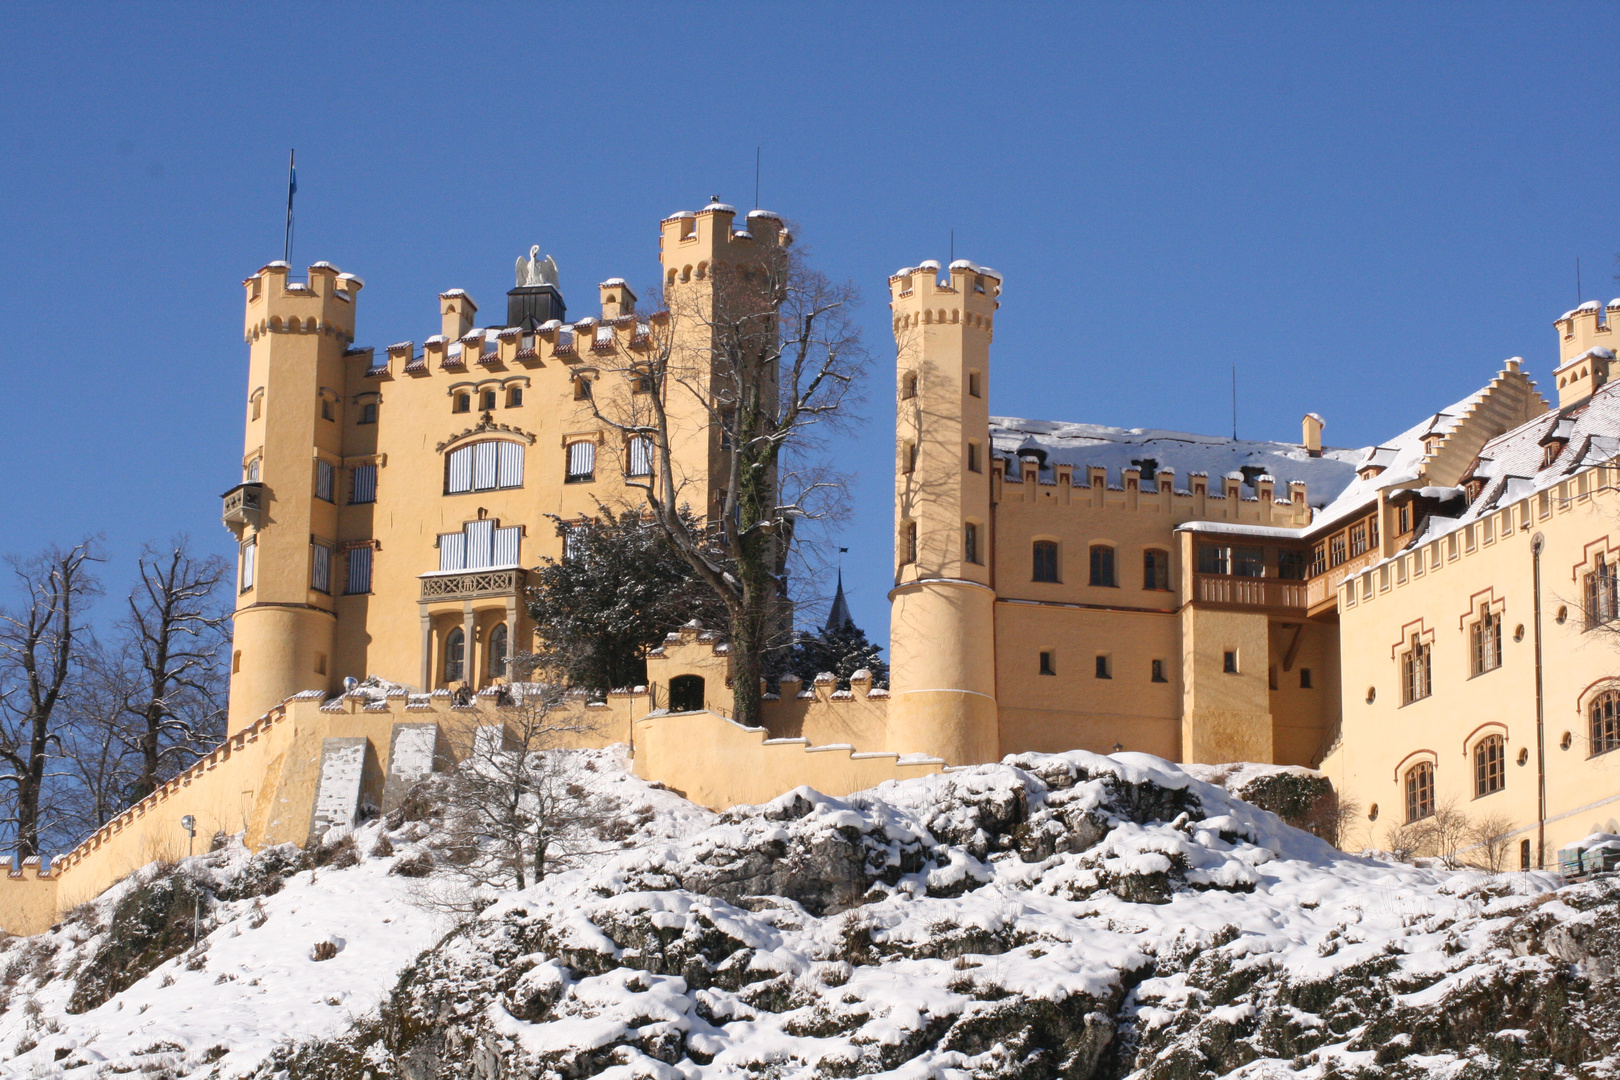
(506, 545)
(461, 470)
(510, 471)
(321, 573)
(480, 544)
(249, 550)
(359, 570)
(365, 484)
(640, 455)
(581, 460)
(452, 551)
(484, 466)
(323, 480)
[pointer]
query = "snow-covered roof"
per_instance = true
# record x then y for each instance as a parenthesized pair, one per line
(1150, 449)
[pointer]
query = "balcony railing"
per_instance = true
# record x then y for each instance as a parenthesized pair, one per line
(1248, 591)
(472, 585)
(1324, 586)
(244, 505)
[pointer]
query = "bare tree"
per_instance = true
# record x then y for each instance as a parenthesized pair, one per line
(1491, 841)
(98, 762)
(768, 358)
(175, 636)
(513, 812)
(40, 643)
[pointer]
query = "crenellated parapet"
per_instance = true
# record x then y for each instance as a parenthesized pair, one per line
(1094, 488)
(322, 306)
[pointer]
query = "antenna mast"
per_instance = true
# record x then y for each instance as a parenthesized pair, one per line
(1577, 281)
(756, 176)
(1234, 401)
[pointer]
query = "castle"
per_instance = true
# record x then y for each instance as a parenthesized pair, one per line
(1425, 620)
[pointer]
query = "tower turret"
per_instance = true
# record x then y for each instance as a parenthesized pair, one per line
(942, 641)
(284, 514)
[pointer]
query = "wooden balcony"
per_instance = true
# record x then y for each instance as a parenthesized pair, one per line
(1324, 588)
(1249, 592)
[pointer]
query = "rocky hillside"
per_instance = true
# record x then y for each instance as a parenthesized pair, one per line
(1051, 916)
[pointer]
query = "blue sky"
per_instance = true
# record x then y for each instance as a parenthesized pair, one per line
(1365, 207)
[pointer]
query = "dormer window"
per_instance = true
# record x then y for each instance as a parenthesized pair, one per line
(1551, 452)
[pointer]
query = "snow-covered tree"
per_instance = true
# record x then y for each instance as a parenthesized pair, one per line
(841, 648)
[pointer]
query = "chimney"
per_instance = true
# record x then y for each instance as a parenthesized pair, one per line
(1311, 433)
(456, 310)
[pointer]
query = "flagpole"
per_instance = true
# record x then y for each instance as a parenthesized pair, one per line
(292, 186)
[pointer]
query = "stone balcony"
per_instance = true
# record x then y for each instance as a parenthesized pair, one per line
(244, 506)
(472, 584)
(1230, 590)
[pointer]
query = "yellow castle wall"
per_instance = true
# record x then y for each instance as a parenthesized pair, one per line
(1382, 738)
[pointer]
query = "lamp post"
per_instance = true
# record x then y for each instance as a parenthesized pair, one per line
(189, 823)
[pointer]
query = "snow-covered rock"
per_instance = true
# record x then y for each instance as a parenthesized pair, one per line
(1053, 915)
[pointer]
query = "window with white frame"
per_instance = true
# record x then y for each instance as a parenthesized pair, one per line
(1485, 640)
(1415, 672)
(250, 551)
(491, 465)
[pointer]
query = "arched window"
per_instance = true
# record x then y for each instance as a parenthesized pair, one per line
(581, 463)
(1102, 565)
(1046, 561)
(253, 471)
(1490, 765)
(908, 385)
(686, 693)
(490, 465)
(1602, 596)
(497, 651)
(455, 648)
(1605, 713)
(1420, 791)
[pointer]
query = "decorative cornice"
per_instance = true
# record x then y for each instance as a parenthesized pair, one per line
(486, 426)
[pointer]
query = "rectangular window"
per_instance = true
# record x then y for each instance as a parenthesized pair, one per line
(1403, 519)
(506, 546)
(970, 542)
(1336, 554)
(1485, 639)
(581, 462)
(1291, 564)
(363, 484)
(484, 466)
(514, 397)
(973, 384)
(1229, 662)
(1602, 597)
(487, 401)
(574, 539)
(641, 455)
(973, 457)
(1213, 559)
(1305, 678)
(1415, 673)
(368, 413)
(320, 573)
(1102, 566)
(1158, 671)
(911, 541)
(1372, 531)
(909, 458)
(323, 480)
(1046, 561)
(480, 544)
(1358, 540)
(1104, 668)
(1156, 569)
(1046, 664)
(453, 551)
(1249, 561)
(359, 571)
(249, 551)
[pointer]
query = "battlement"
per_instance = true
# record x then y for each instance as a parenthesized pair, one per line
(325, 305)
(692, 243)
(1590, 326)
(28, 871)
(1200, 500)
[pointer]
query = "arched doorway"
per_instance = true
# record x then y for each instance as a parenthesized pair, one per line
(686, 693)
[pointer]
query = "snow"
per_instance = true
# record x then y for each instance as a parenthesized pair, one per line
(1256, 890)
(614, 283)
(765, 214)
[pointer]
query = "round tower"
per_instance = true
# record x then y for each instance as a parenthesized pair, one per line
(942, 620)
(284, 513)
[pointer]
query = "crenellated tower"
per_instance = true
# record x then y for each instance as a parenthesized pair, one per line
(284, 513)
(942, 638)
(700, 251)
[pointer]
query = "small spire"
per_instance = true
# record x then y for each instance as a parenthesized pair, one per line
(839, 617)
